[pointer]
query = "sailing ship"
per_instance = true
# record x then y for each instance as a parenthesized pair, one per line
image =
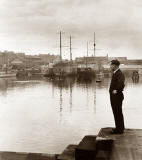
(85, 72)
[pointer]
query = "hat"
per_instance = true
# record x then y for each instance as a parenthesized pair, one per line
(116, 62)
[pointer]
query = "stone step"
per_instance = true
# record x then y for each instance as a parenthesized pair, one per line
(90, 148)
(104, 143)
(127, 146)
(102, 155)
(104, 148)
(94, 148)
(86, 150)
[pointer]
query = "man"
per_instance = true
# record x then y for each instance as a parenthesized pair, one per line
(116, 96)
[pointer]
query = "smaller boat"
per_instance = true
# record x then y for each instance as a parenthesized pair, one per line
(84, 73)
(99, 77)
(28, 72)
(98, 80)
(7, 71)
(5, 74)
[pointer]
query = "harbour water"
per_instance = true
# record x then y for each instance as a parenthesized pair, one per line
(42, 115)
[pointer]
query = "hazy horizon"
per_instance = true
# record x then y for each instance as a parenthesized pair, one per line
(33, 27)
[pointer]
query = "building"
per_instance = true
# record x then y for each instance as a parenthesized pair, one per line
(32, 61)
(127, 66)
(92, 60)
(123, 60)
(17, 63)
(95, 63)
(134, 62)
(66, 68)
(48, 58)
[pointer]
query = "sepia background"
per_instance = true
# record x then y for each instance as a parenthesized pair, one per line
(32, 26)
(39, 114)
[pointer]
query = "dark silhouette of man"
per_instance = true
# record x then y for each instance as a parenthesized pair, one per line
(116, 96)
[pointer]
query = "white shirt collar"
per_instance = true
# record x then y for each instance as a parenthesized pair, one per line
(115, 70)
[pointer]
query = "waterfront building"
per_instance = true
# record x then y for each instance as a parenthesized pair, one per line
(65, 68)
(95, 63)
(128, 69)
(134, 62)
(123, 60)
(18, 63)
(32, 61)
(7, 57)
(48, 58)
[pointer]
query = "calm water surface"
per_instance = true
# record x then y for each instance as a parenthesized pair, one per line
(39, 115)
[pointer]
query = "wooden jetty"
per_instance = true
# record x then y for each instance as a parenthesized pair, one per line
(127, 146)
(104, 146)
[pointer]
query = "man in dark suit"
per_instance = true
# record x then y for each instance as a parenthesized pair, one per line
(116, 96)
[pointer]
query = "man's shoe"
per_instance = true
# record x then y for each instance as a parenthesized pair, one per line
(114, 131)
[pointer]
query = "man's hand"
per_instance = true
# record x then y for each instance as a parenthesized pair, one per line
(114, 92)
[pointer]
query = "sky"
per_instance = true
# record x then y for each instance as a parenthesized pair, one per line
(33, 27)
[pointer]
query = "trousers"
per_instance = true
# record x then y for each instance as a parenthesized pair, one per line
(116, 104)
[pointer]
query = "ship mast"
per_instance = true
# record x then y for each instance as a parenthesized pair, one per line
(70, 49)
(60, 46)
(87, 55)
(94, 44)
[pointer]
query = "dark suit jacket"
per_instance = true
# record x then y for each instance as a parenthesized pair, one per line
(117, 82)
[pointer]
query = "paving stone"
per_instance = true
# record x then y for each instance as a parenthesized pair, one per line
(86, 150)
(102, 155)
(104, 143)
(127, 146)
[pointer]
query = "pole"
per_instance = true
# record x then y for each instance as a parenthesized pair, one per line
(70, 50)
(60, 47)
(94, 44)
(87, 55)
(87, 49)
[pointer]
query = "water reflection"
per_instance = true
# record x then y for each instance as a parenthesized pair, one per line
(6, 84)
(67, 85)
(61, 103)
(9, 83)
(95, 98)
(62, 84)
(70, 99)
(3, 87)
(135, 77)
(74, 108)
